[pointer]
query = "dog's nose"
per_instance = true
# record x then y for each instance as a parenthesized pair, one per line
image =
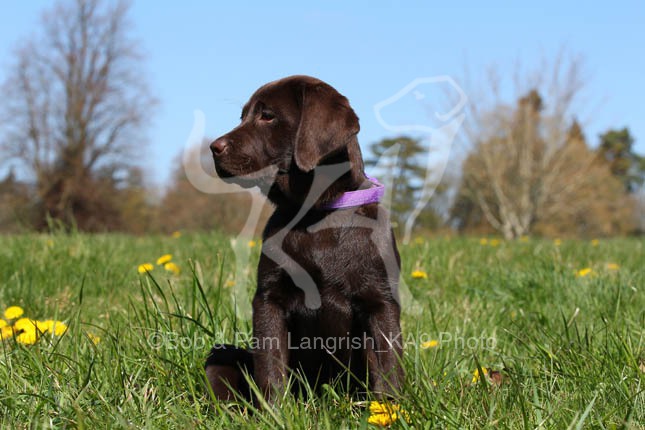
(219, 146)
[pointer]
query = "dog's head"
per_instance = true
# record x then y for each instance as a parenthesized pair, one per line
(289, 126)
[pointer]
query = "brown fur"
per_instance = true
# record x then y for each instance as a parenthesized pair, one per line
(301, 125)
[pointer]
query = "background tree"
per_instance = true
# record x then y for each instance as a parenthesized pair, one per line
(529, 168)
(408, 173)
(592, 201)
(137, 204)
(184, 207)
(75, 104)
(15, 207)
(616, 146)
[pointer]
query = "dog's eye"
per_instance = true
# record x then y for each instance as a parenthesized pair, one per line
(266, 115)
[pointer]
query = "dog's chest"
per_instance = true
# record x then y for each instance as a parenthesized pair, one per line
(334, 317)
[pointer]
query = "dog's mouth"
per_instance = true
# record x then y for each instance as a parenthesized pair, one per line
(223, 173)
(263, 177)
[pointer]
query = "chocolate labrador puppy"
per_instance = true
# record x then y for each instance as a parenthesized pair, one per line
(326, 305)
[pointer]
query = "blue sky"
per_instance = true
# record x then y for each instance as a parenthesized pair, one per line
(212, 55)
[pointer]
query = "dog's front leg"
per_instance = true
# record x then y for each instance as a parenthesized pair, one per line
(271, 355)
(385, 350)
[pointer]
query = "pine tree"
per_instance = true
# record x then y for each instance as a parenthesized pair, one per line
(408, 170)
(616, 147)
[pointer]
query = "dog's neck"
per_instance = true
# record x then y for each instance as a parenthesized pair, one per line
(344, 170)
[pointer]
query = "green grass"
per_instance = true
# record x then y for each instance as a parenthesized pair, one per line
(572, 348)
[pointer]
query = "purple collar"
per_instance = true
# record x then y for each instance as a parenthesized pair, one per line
(351, 199)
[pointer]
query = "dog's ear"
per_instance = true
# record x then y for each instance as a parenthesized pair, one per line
(327, 123)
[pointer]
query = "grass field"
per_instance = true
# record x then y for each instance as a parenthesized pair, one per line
(568, 343)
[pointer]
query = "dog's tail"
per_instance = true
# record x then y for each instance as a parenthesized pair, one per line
(225, 368)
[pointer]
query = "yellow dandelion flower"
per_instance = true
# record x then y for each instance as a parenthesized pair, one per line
(612, 266)
(494, 242)
(42, 326)
(382, 420)
(144, 268)
(25, 324)
(176, 234)
(3, 323)
(383, 414)
(13, 312)
(419, 274)
(94, 338)
(6, 333)
(483, 241)
(418, 240)
(252, 243)
(28, 337)
(584, 272)
(164, 259)
(557, 242)
(430, 344)
(595, 242)
(229, 283)
(524, 239)
(172, 267)
(476, 376)
(45, 326)
(57, 328)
